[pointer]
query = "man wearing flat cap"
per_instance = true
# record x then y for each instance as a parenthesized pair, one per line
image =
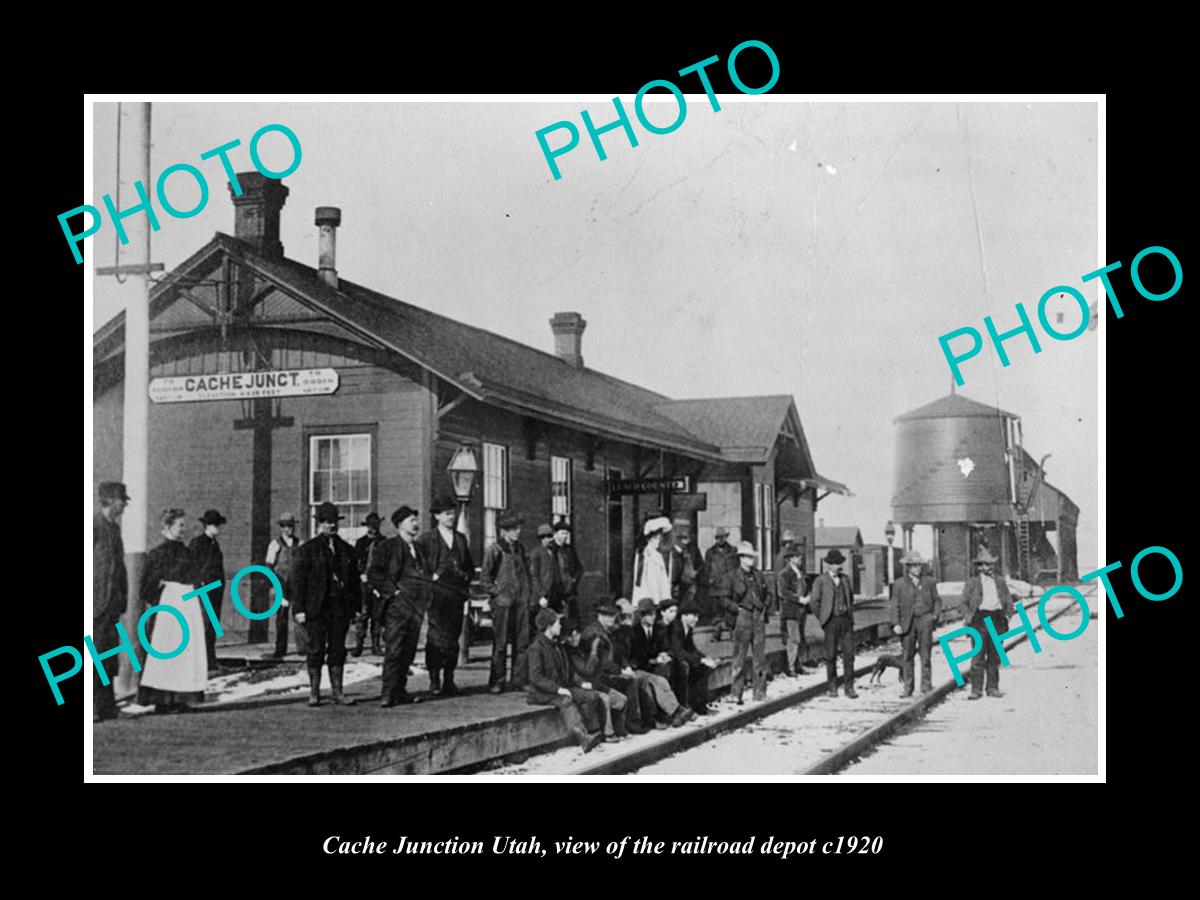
(913, 609)
(749, 602)
(370, 611)
(720, 562)
(986, 596)
(210, 567)
(451, 569)
(326, 597)
(397, 571)
(281, 554)
(553, 681)
(570, 569)
(505, 578)
(110, 590)
(833, 602)
(545, 580)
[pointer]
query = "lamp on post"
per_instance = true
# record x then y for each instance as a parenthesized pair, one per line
(889, 532)
(463, 468)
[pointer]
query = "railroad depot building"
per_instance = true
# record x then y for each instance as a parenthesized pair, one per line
(276, 386)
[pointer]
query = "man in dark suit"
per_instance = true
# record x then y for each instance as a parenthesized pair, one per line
(325, 597)
(645, 640)
(210, 567)
(371, 601)
(986, 596)
(451, 569)
(833, 601)
(546, 584)
(110, 591)
(606, 646)
(914, 608)
(396, 569)
(690, 667)
(570, 571)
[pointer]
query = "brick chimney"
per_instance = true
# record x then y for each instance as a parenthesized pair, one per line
(327, 219)
(256, 212)
(568, 333)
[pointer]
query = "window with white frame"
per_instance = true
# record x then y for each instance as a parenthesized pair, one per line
(560, 487)
(339, 472)
(764, 523)
(495, 488)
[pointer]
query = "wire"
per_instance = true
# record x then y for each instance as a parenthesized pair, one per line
(116, 240)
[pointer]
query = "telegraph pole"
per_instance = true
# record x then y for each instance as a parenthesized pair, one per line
(135, 446)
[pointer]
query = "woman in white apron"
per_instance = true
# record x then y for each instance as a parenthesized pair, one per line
(175, 684)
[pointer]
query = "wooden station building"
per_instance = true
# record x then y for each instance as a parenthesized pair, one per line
(276, 386)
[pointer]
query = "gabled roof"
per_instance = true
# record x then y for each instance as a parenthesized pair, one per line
(745, 428)
(504, 372)
(838, 536)
(953, 406)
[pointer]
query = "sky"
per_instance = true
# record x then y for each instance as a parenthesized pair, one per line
(817, 249)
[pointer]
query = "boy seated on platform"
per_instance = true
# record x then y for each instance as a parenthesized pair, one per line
(554, 682)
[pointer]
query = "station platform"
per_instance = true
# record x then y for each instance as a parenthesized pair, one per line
(281, 735)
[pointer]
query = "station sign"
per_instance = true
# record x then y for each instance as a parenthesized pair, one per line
(244, 385)
(681, 484)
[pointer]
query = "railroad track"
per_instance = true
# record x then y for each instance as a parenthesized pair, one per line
(680, 740)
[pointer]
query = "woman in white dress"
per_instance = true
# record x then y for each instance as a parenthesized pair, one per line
(652, 574)
(177, 683)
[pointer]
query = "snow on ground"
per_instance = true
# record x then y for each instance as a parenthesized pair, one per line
(791, 741)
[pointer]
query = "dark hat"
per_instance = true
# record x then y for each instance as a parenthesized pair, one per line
(791, 550)
(510, 520)
(608, 608)
(372, 519)
(212, 517)
(442, 503)
(722, 531)
(287, 519)
(834, 557)
(570, 625)
(545, 619)
(646, 606)
(545, 531)
(689, 607)
(668, 603)
(327, 512)
(401, 514)
(563, 525)
(112, 490)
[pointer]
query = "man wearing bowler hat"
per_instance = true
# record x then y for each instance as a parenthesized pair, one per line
(505, 578)
(110, 590)
(326, 596)
(833, 601)
(913, 609)
(281, 554)
(370, 611)
(210, 567)
(986, 596)
(451, 569)
(397, 571)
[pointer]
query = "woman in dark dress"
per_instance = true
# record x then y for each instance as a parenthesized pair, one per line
(174, 684)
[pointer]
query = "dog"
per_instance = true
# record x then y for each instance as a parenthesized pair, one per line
(887, 661)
